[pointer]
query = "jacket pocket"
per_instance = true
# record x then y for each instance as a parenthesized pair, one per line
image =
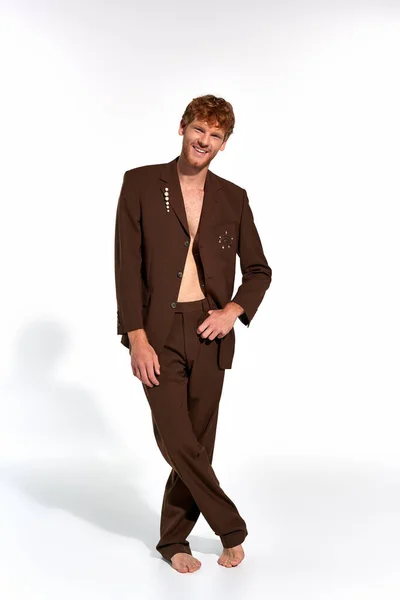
(225, 237)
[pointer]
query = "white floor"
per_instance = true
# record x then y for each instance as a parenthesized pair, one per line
(87, 530)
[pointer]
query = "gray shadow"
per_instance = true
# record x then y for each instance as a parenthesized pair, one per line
(37, 408)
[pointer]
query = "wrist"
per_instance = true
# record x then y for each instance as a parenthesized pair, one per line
(235, 308)
(137, 334)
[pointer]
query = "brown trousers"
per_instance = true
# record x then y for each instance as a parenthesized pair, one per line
(184, 408)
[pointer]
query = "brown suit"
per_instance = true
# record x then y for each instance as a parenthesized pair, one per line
(151, 245)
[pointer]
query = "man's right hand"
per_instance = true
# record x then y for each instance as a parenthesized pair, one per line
(144, 360)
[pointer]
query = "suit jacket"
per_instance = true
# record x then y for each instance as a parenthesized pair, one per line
(151, 245)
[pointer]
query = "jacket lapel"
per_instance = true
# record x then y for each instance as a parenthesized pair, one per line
(169, 179)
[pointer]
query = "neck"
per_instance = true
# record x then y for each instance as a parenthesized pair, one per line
(190, 176)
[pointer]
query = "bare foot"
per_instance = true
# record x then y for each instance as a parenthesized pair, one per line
(185, 563)
(231, 557)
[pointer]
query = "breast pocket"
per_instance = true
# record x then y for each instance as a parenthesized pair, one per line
(225, 238)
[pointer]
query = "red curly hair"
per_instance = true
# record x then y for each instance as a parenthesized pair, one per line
(216, 111)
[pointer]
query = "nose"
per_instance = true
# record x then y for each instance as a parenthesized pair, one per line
(203, 141)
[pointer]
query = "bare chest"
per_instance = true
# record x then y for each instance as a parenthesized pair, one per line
(193, 200)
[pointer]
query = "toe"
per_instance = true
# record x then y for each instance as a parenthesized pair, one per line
(182, 569)
(236, 560)
(194, 564)
(225, 562)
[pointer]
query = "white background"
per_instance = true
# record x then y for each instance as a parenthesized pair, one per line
(307, 444)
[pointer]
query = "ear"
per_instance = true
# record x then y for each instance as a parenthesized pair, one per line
(210, 311)
(181, 128)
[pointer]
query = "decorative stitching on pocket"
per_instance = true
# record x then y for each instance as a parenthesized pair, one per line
(226, 235)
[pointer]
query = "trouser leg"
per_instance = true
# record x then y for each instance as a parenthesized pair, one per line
(185, 410)
(180, 512)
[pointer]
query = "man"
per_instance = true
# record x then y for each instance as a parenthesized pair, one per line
(178, 230)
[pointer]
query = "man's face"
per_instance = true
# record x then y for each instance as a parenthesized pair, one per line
(201, 142)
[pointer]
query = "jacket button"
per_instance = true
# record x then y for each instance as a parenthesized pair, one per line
(180, 274)
(186, 243)
(173, 304)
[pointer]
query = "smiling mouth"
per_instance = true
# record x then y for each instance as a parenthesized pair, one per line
(199, 151)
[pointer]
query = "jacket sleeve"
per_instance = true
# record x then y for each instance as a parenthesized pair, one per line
(128, 257)
(256, 272)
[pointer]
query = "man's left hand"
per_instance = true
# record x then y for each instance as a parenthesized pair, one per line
(220, 321)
